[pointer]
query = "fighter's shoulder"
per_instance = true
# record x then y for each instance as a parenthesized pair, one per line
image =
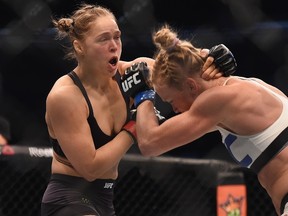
(218, 96)
(64, 91)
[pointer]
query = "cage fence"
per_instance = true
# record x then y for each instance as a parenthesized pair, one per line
(159, 186)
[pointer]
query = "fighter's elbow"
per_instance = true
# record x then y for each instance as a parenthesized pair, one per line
(89, 178)
(90, 174)
(145, 152)
(147, 149)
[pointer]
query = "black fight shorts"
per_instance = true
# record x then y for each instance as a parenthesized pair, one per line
(74, 196)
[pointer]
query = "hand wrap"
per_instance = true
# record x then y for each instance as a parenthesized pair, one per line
(130, 128)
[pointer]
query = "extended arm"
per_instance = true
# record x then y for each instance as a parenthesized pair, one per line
(155, 139)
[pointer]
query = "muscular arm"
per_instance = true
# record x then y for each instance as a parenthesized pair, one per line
(154, 139)
(123, 65)
(68, 121)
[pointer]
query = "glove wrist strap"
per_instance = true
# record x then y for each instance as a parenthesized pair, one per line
(144, 95)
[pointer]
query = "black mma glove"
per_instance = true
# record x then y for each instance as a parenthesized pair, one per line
(135, 83)
(223, 59)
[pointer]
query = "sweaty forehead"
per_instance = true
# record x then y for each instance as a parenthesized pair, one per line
(104, 24)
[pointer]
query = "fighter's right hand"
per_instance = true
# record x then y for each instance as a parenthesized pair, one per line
(223, 59)
(135, 83)
(219, 62)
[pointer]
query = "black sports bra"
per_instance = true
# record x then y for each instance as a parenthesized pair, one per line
(99, 137)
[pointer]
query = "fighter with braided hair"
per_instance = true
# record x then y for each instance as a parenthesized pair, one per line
(251, 115)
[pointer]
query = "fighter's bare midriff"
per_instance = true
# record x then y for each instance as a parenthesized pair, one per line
(273, 177)
(61, 168)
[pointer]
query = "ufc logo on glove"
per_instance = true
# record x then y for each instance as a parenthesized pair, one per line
(127, 84)
(135, 79)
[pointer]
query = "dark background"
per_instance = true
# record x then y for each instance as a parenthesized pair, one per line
(31, 60)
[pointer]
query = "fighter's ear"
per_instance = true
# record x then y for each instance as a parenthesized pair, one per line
(191, 85)
(77, 47)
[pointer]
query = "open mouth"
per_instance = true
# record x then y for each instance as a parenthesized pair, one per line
(113, 61)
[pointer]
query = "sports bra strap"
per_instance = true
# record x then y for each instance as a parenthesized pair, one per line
(77, 82)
